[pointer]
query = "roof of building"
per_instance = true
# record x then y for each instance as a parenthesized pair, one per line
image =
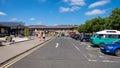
(12, 24)
(57, 26)
(22, 25)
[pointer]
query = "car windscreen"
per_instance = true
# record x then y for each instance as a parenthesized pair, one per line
(87, 36)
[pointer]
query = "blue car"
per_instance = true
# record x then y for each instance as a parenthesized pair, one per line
(111, 48)
(76, 36)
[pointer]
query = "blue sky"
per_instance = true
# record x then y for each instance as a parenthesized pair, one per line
(55, 12)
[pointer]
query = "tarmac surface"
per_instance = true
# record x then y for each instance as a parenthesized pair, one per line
(64, 52)
(9, 50)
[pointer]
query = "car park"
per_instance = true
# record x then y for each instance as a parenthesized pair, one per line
(111, 48)
(76, 36)
(72, 34)
(67, 34)
(84, 37)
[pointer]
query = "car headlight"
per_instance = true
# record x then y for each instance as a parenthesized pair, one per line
(110, 47)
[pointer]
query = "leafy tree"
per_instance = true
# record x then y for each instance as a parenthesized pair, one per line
(98, 23)
(115, 18)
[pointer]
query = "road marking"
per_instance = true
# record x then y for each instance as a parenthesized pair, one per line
(101, 53)
(92, 60)
(17, 58)
(101, 56)
(91, 55)
(86, 57)
(83, 43)
(76, 47)
(89, 46)
(57, 44)
(109, 61)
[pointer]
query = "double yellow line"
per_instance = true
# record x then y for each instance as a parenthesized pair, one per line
(17, 58)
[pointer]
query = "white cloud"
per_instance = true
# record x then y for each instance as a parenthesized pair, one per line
(2, 14)
(73, 5)
(39, 23)
(63, 9)
(13, 19)
(32, 19)
(75, 2)
(99, 3)
(73, 8)
(55, 24)
(78, 2)
(95, 12)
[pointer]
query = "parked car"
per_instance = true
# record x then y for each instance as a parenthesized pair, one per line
(104, 36)
(67, 34)
(76, 36)
(72, 35)
(111, 48)
(84, 37)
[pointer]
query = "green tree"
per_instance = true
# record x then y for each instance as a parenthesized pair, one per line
(115, 19)
(98, 23)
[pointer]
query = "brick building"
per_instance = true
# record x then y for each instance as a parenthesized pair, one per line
(54, 29)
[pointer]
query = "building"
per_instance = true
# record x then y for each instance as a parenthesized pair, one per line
(4, 30)
(15, 28)
(18, 28)
(53, 29)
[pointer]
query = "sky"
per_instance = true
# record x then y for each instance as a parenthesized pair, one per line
(55, 12)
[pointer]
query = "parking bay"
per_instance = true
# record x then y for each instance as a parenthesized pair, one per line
(93, 54)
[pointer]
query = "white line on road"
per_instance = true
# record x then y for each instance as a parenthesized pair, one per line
(76, 47)
(109, 61)
(86, 57)
(92, 60)
(57, 44)
(101, 56)
(91, 55)
(88, 46)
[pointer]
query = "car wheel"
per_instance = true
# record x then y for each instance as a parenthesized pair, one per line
(117, 52)
(101, 44)
(81, 40)
(92, 45)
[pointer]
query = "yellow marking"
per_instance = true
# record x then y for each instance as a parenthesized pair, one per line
(16, 59)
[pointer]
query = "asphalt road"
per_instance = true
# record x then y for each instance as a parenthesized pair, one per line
(67, 53)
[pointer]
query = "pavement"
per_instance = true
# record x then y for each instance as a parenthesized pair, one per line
(15, 39)
(18, 47)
